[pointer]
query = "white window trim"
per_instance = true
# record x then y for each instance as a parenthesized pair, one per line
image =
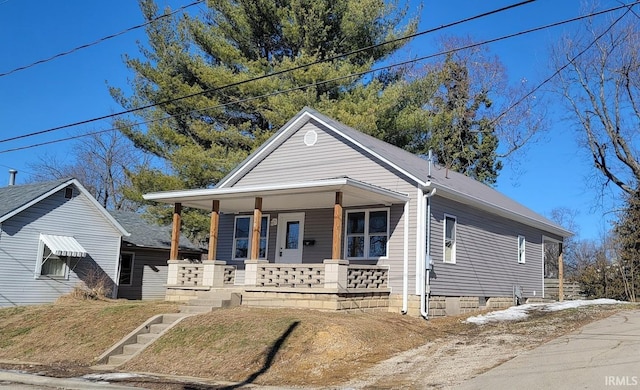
(39, 262)
(133, 262)
(444, 239)
(366, 233)
(522, 250)
(266, 249)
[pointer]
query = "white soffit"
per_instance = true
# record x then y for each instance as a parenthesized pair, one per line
(287, 196)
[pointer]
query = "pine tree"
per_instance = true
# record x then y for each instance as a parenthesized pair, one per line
(627, 238)
(199, 139)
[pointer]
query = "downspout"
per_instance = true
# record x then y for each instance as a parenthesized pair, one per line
(425, 289)
(405, 275)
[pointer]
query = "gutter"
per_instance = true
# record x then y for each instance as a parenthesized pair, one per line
(405, 275)
(425, 287)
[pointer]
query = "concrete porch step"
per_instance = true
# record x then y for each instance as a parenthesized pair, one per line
(207, 301)
(136, 341)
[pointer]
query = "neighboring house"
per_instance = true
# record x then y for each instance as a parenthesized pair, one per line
(335, 204)
(144, 255)
(53, 237)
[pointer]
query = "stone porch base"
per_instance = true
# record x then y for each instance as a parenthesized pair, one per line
(350, 300)
(362, 300)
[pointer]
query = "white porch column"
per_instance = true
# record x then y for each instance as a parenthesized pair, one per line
(213, 273)
(172, 272)
(335, 273)
(251, 271)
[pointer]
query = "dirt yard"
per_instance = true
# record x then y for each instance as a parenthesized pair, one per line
(280, 348)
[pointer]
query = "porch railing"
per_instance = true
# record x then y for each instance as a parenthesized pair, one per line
(195, 274)
(190, 274)
(331, 274)
(288, 275)
(367, 276)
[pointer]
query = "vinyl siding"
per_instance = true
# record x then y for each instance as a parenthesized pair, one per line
(486, 254)
(19, 240)
(330, 157)
(150, 272)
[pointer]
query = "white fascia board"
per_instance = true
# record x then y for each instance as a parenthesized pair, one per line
(221, 193)
(263, 149)
(391, 163)
(481, 204)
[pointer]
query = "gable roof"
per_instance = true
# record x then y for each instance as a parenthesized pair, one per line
(17, 198)
(148, 235)
(448, 183)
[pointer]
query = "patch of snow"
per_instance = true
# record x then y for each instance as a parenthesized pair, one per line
(521, 312)
(580, 302)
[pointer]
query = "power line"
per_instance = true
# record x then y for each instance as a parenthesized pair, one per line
(563, 67)
(86, 45)
(358, 74)
(269, 74)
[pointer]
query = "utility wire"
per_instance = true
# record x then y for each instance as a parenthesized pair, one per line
(216, 89)
(563, 67)
(86, 45)
(351, 75)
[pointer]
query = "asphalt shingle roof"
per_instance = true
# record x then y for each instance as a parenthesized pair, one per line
(16, 196)
(412, 164)
(146, 234)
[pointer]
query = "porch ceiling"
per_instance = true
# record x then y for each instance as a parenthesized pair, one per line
(285, 196)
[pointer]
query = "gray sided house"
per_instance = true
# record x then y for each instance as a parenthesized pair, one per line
(54, 236)
(324, 216)
(144, 255)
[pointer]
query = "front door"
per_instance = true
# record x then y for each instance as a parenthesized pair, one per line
(290, 235)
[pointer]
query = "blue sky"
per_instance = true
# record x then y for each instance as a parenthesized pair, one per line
(554, 173)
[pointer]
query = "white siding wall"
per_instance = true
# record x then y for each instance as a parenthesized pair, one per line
(293, 161)
(19, 240)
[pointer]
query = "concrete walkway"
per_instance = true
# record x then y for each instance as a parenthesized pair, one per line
(11, 380)
(604, 354)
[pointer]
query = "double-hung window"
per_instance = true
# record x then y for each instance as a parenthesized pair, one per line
(367, 234)
(242, 237)
(521, 249)
(450, 223)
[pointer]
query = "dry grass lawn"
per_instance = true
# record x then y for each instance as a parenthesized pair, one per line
(262, 346)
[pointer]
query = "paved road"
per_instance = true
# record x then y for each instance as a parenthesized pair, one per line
(19, 381)
(602, 355)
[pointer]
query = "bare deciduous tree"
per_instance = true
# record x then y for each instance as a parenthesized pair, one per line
(100, 162)
(601, 86)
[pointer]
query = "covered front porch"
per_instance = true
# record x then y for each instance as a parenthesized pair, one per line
(286, 245)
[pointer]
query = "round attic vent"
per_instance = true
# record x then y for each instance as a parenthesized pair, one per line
(310, 138)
